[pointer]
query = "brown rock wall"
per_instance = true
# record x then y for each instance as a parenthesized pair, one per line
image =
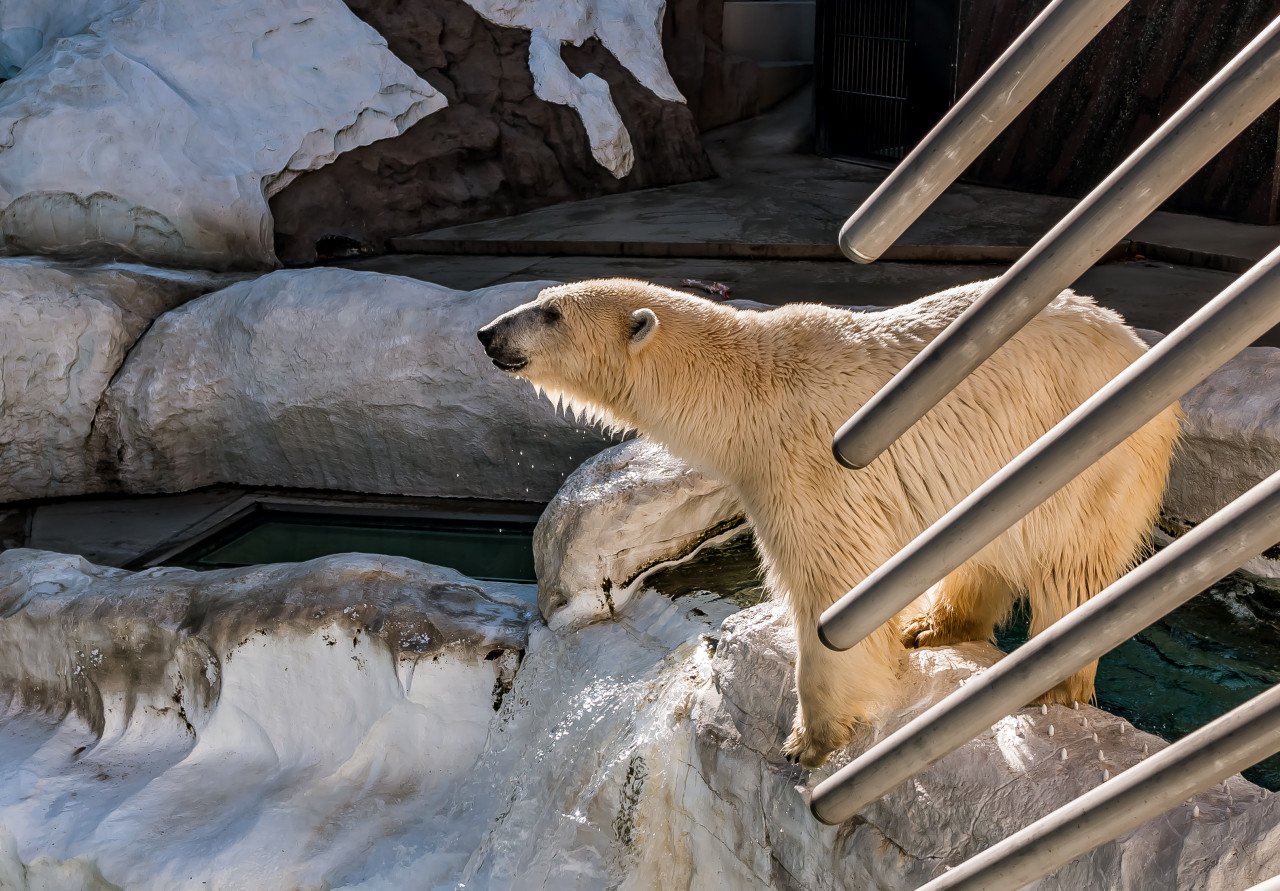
(497, 149)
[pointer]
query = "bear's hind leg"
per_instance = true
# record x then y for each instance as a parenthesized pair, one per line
(967, 605)
(838, 690)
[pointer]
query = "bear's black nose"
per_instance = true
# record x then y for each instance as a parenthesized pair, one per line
(486, 335)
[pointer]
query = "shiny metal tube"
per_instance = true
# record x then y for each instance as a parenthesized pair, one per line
(1219, 111)
(1051, 41)
(1224, 326)
(1219, 545)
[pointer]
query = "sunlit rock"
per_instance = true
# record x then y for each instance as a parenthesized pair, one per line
(160, 130)
(66, 331)
(369, 722)
(333, 379)
(620, 515)
(1230, 441)
(736, 809)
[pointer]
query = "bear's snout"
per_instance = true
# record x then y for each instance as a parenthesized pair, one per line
(499, 349)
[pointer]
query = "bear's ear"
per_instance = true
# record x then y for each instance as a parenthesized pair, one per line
(643, 325)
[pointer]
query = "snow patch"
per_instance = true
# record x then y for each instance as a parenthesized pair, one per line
(159, 130)
(630, 29)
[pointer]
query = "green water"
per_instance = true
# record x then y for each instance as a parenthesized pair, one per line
(730, 570)
(1200, 661)
(1203, 659)
(483, 550)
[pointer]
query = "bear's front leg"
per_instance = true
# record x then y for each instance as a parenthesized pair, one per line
(838, 690)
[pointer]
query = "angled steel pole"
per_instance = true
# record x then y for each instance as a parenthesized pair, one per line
(1219, 545)
(1052, 40)
(1218, 112)
(1223, 327)
(1240, 738)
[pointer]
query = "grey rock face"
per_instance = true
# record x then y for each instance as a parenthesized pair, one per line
(66, 331)
(332, 379)
(743, 815)
(1231, 435)
(159, 130)
(623, 512)
(1230, 441)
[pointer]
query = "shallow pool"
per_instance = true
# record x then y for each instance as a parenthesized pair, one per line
(482, 548)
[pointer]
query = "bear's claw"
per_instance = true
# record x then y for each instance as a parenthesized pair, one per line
(917, 632)
(801, 748)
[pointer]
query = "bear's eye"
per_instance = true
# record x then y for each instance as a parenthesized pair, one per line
(550, 315)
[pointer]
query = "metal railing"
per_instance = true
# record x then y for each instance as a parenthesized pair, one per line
(1219, 111)
(1216, 114)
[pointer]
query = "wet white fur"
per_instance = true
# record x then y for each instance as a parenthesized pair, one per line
(754, 398)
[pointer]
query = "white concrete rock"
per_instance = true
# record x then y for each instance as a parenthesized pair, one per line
(332, 724)
(630, 29)
(625, 512)
(158, 130)
(66, 331)
(334, 379)
(269, 727)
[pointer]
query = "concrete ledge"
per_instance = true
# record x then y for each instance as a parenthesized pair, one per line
(904, 253)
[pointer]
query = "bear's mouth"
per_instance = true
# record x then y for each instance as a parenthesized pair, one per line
(510, 366)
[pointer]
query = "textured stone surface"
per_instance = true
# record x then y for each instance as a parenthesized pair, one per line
(330, 379)
(631, 30)
(66, 331)
(734, 806)
(499, 148)
(1230, 434)
(159, 130)
(623, 512)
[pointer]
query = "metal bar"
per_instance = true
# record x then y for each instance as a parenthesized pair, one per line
(1217, 113)
(1240, 738)
(1219, 545)
(1228, 323)
(1051, 41)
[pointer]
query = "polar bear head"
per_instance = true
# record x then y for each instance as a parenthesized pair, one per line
(604, 348)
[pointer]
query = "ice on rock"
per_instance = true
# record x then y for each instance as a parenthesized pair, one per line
(376, 723)
(220, 724)
(159, 130)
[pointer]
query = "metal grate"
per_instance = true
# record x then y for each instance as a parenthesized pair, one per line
(885, 73)
(1237, 95)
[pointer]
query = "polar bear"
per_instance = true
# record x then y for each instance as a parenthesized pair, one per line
(754, 397)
